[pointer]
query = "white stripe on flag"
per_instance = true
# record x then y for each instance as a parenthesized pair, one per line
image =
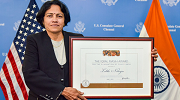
(13, 78)
(6, 84)
(143, 32)
(16, 57)
(18, 63)
(173, 91)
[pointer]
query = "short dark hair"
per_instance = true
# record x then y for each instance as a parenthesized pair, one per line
(47, 5)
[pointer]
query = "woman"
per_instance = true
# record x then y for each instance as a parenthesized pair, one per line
(46, 62)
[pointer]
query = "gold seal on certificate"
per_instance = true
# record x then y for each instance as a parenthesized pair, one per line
(112, 67)
(85, 83)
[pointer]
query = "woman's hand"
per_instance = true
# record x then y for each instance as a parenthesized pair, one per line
(154, 54)
(73, 94)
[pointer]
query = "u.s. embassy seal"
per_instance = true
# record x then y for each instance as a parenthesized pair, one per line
(139, 27)
(171, 2)
(79, 27)
(45, 0)
(109, 2)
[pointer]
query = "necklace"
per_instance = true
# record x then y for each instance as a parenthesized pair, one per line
(59, 44)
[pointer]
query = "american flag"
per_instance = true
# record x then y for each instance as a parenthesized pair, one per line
(11, 76)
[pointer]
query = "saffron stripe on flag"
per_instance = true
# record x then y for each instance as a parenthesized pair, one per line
(156, 27)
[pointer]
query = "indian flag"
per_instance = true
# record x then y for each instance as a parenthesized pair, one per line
(167, 68)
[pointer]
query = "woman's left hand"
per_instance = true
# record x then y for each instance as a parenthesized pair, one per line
(154, 54)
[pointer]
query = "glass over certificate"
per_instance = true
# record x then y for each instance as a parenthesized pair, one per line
(112, 67)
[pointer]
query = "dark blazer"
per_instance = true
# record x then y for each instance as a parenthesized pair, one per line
(43, 75)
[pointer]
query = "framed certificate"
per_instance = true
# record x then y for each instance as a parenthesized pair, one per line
(112, 67)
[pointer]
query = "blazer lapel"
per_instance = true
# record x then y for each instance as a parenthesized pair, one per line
(49, 49)
(66, 43)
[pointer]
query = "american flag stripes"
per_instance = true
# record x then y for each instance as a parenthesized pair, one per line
(11, 77)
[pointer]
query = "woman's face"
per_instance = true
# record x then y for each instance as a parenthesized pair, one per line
(54, 19)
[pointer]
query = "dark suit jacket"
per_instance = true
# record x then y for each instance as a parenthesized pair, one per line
(43, 75)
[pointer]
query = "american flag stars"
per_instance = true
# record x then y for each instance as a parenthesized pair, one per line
(32, 11)
(29, 25)
(24, 21)
(22, 26)
(34, 6)
(28, 9)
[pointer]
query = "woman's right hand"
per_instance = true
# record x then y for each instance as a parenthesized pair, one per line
(73, 94)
